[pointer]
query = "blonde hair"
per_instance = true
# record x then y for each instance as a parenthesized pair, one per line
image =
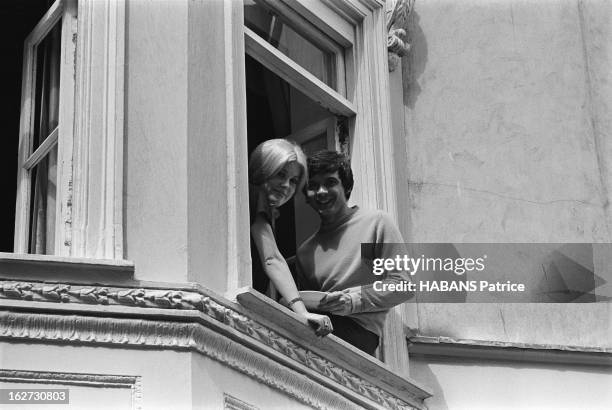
(271, 156)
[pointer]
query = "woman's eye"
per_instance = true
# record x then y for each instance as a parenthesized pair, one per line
(281, 174)
(294, 181)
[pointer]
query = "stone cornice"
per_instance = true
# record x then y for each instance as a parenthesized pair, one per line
(80, 379)
(164, 334)
(174, 334)
(509, 351)
(77, 379)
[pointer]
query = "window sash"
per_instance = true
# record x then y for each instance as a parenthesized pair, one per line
(316, 36)
(60, 136)
(45, 24)
(295, 75)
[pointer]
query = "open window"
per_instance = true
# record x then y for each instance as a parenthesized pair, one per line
(316, 72)
(45, 132)
(70, 129)
(296, 85)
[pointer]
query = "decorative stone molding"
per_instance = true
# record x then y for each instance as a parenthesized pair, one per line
(171, 334)
(397, 17)
(96, 227)
(77, 379)
(84, 379)
(232, 403)
(62, 293)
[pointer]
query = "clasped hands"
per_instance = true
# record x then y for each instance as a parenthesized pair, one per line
(338, 303)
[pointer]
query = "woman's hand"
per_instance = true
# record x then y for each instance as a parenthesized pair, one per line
(321, 323)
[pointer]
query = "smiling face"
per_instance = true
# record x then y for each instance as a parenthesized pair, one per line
(325, 194)
(280, 187)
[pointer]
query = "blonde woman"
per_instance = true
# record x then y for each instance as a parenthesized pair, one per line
(277, 169)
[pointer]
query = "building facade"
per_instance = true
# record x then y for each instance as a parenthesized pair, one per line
(128, 280)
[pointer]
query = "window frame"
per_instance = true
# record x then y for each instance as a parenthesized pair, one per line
(89, 205)
(64, 10)
(360, 27)
(314, 34)
(297, 76)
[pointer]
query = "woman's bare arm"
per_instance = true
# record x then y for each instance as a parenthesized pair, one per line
(278, 271)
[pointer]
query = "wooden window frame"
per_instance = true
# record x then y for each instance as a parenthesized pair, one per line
(333, 44)
(89, 206)
(295, 75)
(61, 136)
(359, 27)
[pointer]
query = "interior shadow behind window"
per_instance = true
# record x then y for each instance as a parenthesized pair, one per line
(277, 110)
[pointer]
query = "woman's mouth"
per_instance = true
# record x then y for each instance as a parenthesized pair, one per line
(277, 196)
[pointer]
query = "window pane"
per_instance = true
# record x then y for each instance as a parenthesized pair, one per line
(47, 86)
(42, 205)
(279, 34)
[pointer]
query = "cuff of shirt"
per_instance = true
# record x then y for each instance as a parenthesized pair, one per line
(355, 295)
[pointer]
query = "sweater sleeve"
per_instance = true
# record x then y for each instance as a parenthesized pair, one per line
(388, 243)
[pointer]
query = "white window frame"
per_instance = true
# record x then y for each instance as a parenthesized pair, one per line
(359, 27)
(60, 136)
(89, 213)
(296, 75)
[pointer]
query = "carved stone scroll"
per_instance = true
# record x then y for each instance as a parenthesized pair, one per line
(397, 18)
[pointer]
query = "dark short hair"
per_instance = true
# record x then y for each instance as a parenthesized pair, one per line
(327, 161)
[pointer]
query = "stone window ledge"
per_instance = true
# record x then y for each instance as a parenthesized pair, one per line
(332, 348)
(63, 269)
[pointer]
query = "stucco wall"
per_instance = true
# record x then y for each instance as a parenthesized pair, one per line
(478, 385)
(156, 140)
(177, 194)
(168, 379)
(503, 122)
(506, 123)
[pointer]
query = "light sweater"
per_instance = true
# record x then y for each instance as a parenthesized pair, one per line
(331, 260)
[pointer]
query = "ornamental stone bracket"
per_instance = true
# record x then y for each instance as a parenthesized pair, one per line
(397, 13)
(251, 338)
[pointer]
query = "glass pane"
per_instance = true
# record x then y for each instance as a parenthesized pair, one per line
(280, 35)
(42, 205)
(46, 106)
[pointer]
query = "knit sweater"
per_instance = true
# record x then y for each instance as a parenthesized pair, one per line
(331, 260)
